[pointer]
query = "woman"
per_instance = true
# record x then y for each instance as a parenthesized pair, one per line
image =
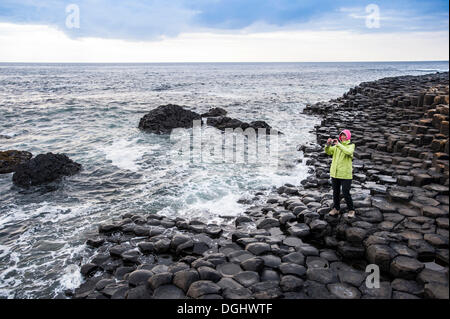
(341, 170)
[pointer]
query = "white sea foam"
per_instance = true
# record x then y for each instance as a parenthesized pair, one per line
(125, 153)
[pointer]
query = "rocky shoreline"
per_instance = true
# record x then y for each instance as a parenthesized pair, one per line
(289, 247)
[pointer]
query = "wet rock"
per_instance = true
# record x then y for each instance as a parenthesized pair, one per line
(10, 160)
(44, 168)
(164, 118)
(215, 111)
(316, 262)
(146, 247)
(88, 269)
(95, 242)
(203, 287)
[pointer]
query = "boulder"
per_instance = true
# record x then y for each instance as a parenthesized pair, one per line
(10, 160)
(44, 168)
(164, 118)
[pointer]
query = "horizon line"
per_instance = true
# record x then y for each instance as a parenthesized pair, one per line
(205, 62)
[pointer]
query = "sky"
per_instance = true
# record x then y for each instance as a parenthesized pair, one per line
(223, 30)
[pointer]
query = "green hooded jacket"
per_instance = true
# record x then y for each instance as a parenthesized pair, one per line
(341, 166)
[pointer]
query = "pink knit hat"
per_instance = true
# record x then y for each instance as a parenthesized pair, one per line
(347, 133)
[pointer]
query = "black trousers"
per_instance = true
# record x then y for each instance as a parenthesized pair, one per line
(346, 184)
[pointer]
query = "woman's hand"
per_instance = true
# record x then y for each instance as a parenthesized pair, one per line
(329, 141)
(335, 142)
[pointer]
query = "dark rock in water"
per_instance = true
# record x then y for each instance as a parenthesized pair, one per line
(44, 168)
(167, 117)
(215, 111)
(10, 160)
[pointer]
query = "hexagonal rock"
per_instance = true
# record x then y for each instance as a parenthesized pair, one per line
(208, 273)
(267, 223)
(436, 290)
(380, 255)
(344, 291)
(271, 261)
(441, 189)
(316, 262)
(436, 240)
(295, 257)
(160, 279)
(322, 275)
(408, 286)
(292, 241)
(318, 225)
(352, 277)
(247, 278)
(398, 196)
(349, 251)
(370, 214)
(291, 283)
(292, 269)
(253, 264)
(299, 230)
(429, 275)
(355, 234)
(406, 267)
(183, 279)
(258, 248)
(433, 212)
(203, 287)
(228, 269)
(237, 293)
(168, 292)
(139, 277)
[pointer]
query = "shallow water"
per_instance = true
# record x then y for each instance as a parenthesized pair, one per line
(91, 113)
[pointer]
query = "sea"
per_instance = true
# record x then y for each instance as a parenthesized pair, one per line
(90, 112)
